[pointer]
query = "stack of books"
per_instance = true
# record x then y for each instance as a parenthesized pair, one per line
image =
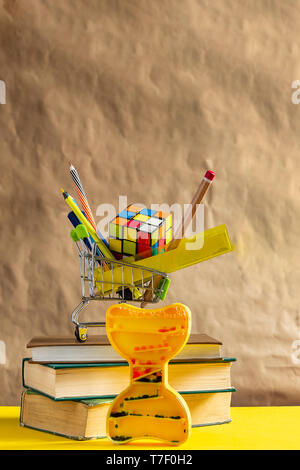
(69, 386)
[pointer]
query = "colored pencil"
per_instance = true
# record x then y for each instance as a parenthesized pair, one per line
(101, 245)
(72, 204)
(197, 199)
(82, 196)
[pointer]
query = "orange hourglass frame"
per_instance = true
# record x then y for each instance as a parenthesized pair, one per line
(149, 407)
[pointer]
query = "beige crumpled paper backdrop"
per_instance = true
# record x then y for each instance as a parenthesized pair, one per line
(143, 97)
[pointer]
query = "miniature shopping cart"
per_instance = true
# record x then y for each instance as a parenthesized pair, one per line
(109, 279)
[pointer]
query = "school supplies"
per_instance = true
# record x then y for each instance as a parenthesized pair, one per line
(135, 265)
(139, 231)
(67, 398)
(97, 348)
(123, 288)
(99, 249)
(186, 220)
(72, 204)
(88, 379)
(82, 196)
(88, 241)
(201, 247)
(149, 406)
(73, 399)
(75, 222)
(190, 213)
(84, 419)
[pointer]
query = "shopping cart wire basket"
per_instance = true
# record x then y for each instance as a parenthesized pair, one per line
(113, 280)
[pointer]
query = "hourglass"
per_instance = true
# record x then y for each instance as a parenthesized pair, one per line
(149, 407)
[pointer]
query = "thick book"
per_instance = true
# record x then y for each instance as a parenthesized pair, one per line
(97, 348)
(75, 381)
(86, 419)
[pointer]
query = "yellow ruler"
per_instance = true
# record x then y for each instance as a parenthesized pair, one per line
(201, 247)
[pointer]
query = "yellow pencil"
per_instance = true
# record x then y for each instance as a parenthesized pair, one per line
(101, 245)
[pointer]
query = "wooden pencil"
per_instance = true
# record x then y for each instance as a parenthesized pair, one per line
(186, 220)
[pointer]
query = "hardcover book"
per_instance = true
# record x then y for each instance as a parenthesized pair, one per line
(86, 419)
(71, 381)
(97, 348)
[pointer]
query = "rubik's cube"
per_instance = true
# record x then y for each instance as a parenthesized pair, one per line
(138, 231)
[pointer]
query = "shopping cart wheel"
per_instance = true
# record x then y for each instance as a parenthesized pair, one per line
(81, 334)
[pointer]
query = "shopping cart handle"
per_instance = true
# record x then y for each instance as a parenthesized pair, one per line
(79, 233)
(82, 232)
(74, 235)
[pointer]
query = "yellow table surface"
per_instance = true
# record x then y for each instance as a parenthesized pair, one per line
(274, 427)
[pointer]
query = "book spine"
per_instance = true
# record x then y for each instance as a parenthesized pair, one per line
(22, 407)
(25, 359)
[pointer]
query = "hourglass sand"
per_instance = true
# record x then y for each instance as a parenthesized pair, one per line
(149, 407)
